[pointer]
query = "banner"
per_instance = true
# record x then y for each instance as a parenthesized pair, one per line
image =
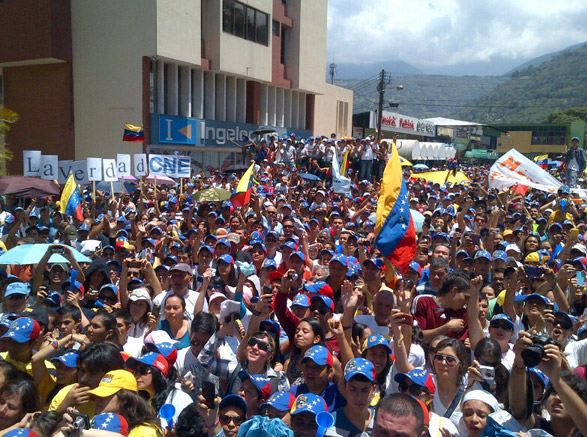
(140, 165)
(514, 168)
(49, 167)
(110, 172)
(340, 184)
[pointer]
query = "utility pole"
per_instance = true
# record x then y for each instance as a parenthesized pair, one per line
(384, 80)
(332, 71)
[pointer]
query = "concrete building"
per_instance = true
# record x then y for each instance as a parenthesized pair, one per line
(196, 73)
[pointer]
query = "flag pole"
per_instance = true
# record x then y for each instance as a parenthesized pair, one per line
(112, 189)
(94, 191)
(180, 186)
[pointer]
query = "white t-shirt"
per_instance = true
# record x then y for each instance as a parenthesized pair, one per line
(180, 400)
(190, 302)
(576, 353)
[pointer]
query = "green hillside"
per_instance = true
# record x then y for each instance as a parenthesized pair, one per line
(533, 93)
(422, 96)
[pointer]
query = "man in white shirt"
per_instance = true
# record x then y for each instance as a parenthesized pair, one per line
(181, 276)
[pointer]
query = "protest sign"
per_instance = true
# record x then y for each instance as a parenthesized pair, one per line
(49, 167)
(513, 168)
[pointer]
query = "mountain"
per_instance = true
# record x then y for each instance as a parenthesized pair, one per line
(533, 93)
(423, 96)
(544, 58)
(369, 69)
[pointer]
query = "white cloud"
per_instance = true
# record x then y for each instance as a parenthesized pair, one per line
(436, 33)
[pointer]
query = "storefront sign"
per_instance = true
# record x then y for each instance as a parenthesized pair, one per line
(406, 124)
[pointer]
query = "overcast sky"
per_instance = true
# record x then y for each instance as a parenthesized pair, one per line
(439, 36)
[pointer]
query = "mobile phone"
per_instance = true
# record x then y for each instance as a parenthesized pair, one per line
(487, 372)
(408, 283)
(523, 219)
(476, 239)
(580, 278)
(209, 392)
(550, 306)
(156, 311)
(407, 319)
(533, 271)
(267, 290)
(59, 250)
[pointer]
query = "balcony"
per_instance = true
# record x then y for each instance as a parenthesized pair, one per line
(34, 32)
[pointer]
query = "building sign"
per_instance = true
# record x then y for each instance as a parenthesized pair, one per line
(166, 129)
(395, 122)
(210, 133)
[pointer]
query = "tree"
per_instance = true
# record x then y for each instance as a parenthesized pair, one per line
(567, 116)
(7, 117)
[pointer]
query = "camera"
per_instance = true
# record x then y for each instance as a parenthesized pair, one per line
(59, 250)
(535, 353)
(293, 276)
(81, 421)
(487, 372)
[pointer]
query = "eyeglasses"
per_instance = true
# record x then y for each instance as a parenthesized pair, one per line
(226, 419)
(415, 389)
(262, 345)
(288, 226)
(487, 363)
(450, 360)
(322, 309)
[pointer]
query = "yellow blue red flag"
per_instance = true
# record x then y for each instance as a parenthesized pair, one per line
(242, 195)
(395, 234)
(133, 133)
(71, 201)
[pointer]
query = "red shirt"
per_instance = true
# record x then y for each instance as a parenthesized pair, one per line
(431, 315)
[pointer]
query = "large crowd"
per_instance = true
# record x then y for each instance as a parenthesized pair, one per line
(281, 317)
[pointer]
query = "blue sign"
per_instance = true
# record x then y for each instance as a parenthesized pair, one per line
(167, 129)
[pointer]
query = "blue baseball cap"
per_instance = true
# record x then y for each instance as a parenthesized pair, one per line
(281, 401)
(299, 254)
(235, 400)
(324, 299)
(268, 263)
(341, 259)
(223, 241)
(499, 255)
(7, 319)
(319, 355)
(258, 243)
(226, 258)
(83, 227)
(359, 366)
(112, 287)
(376, 340)
(205, 247)
(377, 262)
(17, 288)
(537, 296)
(540, 374)
(256, 236)
(290, 244)
(23, 329)
(153, 359)
(301, 300)
(68, 359)
(419, 377)
(442, 235)
(483, 254)
(308, 403)
(503, 317)
(272, 325)
(261, 382)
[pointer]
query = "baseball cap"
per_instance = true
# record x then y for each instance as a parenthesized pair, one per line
(341, 259)
(319, 355)
(21, 432)
(150, 359)
(182, 267)
(112, 287)
(271, 324)
(359, 366)
(323, 299)
(540, 374)
(268, 263)
(166, 349)
(320, 287)
(499, 255)
(301, 300)
(290, 244)
(308, 403)
(376, 340)
(416, 267)
(111, 422)
(23, 329)
(113, 382)
(503, 317)
(513, 247)
(261, 382)
(419, 377)
(538, 297)
(226, 258)
(281, 401)
(68, 359)
(377, 262)
(223, 241)
(141, 294)
(205, 247)
(482, 254)
(235, 400)
(17, 288)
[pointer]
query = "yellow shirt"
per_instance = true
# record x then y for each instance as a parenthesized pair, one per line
(88, 408)
(47, 383)
(145, 431)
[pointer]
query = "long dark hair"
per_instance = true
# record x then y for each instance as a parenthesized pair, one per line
(109, 322)
(135, 409)
(461, 353)
(25, 389)
(316, 329)
(162, 386)
(489, 346)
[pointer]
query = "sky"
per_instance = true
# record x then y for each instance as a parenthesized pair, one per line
(453, 36)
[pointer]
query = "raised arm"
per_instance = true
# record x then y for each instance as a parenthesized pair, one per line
(476, 333)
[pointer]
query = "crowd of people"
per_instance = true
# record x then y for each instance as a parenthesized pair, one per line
(161, 315)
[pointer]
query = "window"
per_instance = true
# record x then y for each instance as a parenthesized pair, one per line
(275, 28)
(245, 22)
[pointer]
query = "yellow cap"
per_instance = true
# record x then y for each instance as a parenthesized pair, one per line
(507, 232)
(113, 382)
(532, 258)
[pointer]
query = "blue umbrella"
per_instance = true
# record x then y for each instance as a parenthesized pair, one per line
(310, 177)
(105, 186)
(421, 167)
(418, 219)
(32, 254)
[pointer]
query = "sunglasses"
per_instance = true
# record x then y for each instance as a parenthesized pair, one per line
(261, 344)
(143, 370)
(225, 419)
(450, 360)
(414, 389)
(502, 325)
(563, 324)
(322, 309)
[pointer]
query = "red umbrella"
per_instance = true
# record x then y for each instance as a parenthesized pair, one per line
(24, 186)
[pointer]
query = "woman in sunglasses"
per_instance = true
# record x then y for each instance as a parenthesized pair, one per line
(154, 377)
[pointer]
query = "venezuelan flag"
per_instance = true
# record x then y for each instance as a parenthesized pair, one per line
(242, 195)
(71, 201)
(345, 163)
(133, 133)
(395, 234)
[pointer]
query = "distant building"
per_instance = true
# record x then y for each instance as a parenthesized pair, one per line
(196, 73)
(539, 138)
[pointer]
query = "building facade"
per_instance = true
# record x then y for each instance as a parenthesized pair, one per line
(198, 74)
